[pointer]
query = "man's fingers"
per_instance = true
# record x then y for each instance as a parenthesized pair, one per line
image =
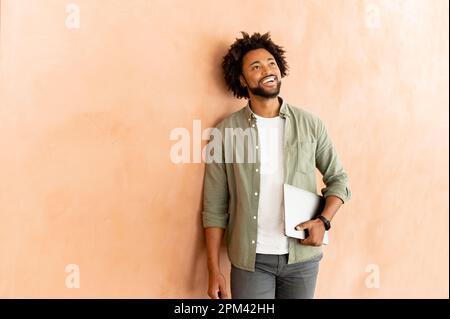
(303, 226)
(306, 241)
(223, 293)
(214, 295)
(310, 242)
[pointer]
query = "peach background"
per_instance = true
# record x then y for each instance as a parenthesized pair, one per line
(86, 115)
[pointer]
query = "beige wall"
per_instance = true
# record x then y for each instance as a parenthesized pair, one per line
(86, 114)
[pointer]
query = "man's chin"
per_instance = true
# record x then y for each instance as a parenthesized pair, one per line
(270, 95)
(266, 94)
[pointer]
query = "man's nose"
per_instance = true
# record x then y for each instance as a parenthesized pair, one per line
(265, 70)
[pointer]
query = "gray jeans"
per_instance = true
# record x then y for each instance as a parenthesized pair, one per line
(274, 278)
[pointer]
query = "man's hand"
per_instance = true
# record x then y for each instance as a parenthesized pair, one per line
(316, 230)
(217, 288)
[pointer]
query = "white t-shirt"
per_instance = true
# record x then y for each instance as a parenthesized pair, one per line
(271, 238)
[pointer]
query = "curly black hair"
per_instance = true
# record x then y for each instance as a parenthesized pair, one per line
(232, 61)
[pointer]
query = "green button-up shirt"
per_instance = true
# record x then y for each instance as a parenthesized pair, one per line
(231, 188)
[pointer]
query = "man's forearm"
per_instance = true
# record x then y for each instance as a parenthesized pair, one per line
(332, 205)
(213, 239)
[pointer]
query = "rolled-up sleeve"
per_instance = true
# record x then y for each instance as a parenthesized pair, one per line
(215, 195)
(330, 166)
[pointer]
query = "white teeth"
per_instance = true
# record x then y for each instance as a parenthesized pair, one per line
(271, 78)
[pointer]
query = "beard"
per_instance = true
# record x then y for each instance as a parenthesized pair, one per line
(261, 91)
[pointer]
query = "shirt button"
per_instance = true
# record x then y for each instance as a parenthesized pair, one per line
(254, 217)
(253, 125)
(256, 193)
(253, 241)
(257, 146)
(257, 170)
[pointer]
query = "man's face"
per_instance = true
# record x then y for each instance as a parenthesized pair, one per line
(260, 73)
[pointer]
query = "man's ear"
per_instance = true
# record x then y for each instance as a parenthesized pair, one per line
(242, 80)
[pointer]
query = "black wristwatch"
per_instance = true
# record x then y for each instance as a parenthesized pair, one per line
(325, 221)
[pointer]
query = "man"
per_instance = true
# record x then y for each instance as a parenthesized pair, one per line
(246, 198)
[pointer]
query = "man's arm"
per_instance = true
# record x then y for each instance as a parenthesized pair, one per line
(327, 161)
(332, 205)
(215, 220)
(316, 227)
(213, 237)
(217, 287)
(336, 189)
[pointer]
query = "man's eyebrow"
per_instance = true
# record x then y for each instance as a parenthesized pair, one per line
(268, 59)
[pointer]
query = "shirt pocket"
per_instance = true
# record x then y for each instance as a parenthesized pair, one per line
(306, 157)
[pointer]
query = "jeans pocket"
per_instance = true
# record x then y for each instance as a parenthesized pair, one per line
(315, 258)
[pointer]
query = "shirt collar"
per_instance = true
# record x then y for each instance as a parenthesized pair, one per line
(283, 109)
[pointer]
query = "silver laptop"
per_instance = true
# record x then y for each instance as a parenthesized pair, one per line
(300, 206)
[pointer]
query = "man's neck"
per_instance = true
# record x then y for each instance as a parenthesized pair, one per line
(265, 107)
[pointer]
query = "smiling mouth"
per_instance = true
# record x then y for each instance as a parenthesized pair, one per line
(269, 80)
